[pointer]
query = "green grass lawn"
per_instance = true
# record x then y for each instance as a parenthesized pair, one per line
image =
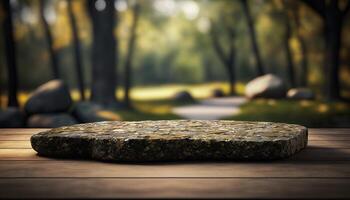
(149, 102)
(154, 103)
(149, 110)
(149, 94)
(307, 113)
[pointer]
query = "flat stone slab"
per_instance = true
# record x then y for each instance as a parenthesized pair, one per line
(172, 140)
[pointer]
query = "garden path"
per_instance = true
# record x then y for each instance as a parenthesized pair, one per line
(211, 109)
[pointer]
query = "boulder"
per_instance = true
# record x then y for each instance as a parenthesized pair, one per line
(86, 112)
(267, 86)
(50, 97)
(183, 96)
(172, 140)
(300, 94)
(51, 120)
(218, 93)
(11, 118)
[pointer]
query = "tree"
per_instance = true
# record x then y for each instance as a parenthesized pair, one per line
(252, 34)
(104, 51)
(130, 53)
(333, 17)
(227, 59)
(287, 48)
(10, 55)
(49, 39)
(77, 50)
(208, 69)
(303, 48)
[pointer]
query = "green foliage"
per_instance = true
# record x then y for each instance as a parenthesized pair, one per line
(170, 48)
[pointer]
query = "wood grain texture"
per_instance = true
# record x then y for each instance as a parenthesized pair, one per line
(21, 131)
(15, 137)
(322, 170)
(92, 169)
(328, 131)
(10, 144)
(339, 144)
(175, 187)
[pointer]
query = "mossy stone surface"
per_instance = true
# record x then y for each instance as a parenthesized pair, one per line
(172, 140)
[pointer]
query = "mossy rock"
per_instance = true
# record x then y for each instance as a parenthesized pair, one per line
(172, 140)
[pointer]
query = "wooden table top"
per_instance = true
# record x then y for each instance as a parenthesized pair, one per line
(322, 170)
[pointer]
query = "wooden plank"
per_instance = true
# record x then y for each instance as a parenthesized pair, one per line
(23, 174)
(329, 131)
(10, 144)
(322, 154)
(331, 137)
(21, 131)
(71, 168)
(308, 154)
(338, 144)
(19, 154)
(176, 188)
(15, 137)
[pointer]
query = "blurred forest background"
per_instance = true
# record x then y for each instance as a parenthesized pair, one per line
(158, 48)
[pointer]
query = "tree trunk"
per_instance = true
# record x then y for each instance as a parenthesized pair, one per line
(231, 71)
(252, 34)
(231, 64)
(207, 64)
(289, 57)
(10, 56)
(333, 18)
(304, 63)
(226, 60)
(104, 53)
(333, 29)
(129, 57)
(48, 35)
(77, 50)
(303, 48)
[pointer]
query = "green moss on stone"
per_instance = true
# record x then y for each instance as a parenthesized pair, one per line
(173, 140)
